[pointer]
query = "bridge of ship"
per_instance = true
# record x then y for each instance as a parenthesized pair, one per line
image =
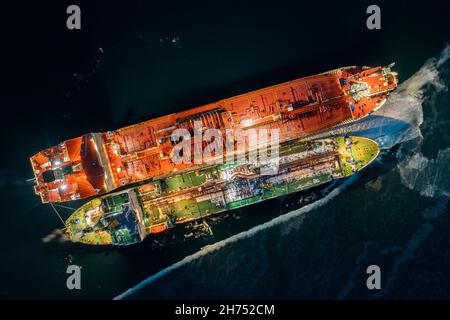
(70, 170)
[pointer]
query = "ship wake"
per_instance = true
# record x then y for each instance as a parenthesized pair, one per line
(428, 175)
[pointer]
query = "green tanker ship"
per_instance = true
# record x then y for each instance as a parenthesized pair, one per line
(128, 216)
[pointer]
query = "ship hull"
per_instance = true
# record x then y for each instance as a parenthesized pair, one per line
(98, 163)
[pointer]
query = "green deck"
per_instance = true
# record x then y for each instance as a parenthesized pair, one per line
(363, 151)
(115, 202)
(207, 208)
(186, 180)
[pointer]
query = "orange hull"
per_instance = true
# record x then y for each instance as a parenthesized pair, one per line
(101, 162)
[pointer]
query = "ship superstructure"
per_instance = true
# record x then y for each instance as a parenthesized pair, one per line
(128, 216)
(97, 163)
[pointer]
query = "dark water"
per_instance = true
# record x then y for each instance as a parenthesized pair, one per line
(135, 61)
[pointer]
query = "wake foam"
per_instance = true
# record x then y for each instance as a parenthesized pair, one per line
(429, 177)
(240, 236)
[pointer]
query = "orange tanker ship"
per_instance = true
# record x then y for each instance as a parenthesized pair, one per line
(98, 163)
